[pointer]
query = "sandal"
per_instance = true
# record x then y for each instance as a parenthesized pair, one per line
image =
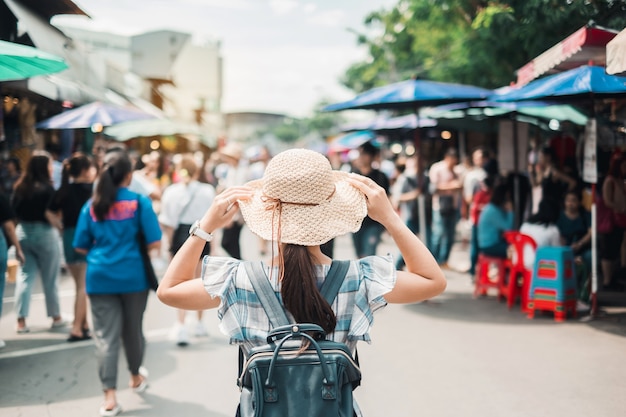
(74, 338)
(104, 412)
(143, 385)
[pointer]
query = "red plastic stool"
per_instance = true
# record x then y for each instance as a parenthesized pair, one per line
(519, 278)
(485, 280)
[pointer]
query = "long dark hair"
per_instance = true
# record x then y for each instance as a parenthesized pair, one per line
(72, 168)
(34, 176)
(301, 296)
(500, 195)
(115, 169)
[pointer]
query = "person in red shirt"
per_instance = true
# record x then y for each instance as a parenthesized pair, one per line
(480, 200)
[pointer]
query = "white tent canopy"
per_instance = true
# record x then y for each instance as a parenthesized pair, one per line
(616, 54)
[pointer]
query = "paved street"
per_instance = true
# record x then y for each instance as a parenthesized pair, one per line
(452, 356)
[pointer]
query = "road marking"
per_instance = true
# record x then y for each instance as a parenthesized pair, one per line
(40, 296)
(152, 334)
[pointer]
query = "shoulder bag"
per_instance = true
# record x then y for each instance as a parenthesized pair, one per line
(151, 277)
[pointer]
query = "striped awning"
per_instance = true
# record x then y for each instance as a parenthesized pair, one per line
(586, 46)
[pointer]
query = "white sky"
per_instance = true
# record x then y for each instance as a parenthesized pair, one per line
(279, 55)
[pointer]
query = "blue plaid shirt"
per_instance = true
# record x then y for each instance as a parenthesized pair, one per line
(244, 321)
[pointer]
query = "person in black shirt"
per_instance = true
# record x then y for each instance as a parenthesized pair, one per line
(366, 240)
(39, 240)
(76, 188)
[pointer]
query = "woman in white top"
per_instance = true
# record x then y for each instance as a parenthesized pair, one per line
(541, 226)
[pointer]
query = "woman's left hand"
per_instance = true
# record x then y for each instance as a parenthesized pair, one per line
(379, 206)
(224, 208)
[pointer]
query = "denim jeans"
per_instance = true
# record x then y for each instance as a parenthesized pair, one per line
(444, 229)
(40, 244)
(366, 239)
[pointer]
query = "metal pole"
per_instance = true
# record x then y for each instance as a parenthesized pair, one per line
(516, 187)
(421, 200)
(594, 255)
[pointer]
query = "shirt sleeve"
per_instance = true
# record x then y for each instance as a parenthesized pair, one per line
(219, 275)
(6, 211)
(377, 277)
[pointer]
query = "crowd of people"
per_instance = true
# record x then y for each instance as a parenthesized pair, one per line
(108, 210)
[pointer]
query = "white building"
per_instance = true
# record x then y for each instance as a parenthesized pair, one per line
(164, 67)
(186, 75)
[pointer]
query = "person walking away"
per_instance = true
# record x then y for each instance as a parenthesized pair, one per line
(445, 188)
(38, 239)
(7, 238)
(541, 226)
(301, 203)
(182, 203)
(107, 232)
(367, 238)
(76, 188)
(232, 173)
(495, 219)
(404, 194)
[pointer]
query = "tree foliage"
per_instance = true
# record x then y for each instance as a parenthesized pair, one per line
(479, 42)
(322, 124)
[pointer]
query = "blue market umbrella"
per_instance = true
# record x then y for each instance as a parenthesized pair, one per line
(84, 117)
(586, 81)
(411, 94)
(351, 140)
(382, 123)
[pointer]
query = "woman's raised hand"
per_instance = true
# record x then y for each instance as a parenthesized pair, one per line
(224, 208)
(379, 206)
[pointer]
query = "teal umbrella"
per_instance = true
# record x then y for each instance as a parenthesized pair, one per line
(18, 62)
(484, 109)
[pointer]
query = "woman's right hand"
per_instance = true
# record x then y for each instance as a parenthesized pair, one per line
(224, 208)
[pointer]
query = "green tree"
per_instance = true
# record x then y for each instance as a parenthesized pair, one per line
(469, 41)
(322, 124)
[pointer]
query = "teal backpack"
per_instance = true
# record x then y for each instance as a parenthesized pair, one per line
(279, 379)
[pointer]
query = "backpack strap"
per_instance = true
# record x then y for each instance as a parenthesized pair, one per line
(270, 303)
(267, 297)
(334, 279)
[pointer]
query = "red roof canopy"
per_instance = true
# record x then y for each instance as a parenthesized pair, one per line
(585, 46)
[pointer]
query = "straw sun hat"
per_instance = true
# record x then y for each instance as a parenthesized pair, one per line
(301, 200)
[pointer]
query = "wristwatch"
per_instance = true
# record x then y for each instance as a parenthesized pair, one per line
(195, 230)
